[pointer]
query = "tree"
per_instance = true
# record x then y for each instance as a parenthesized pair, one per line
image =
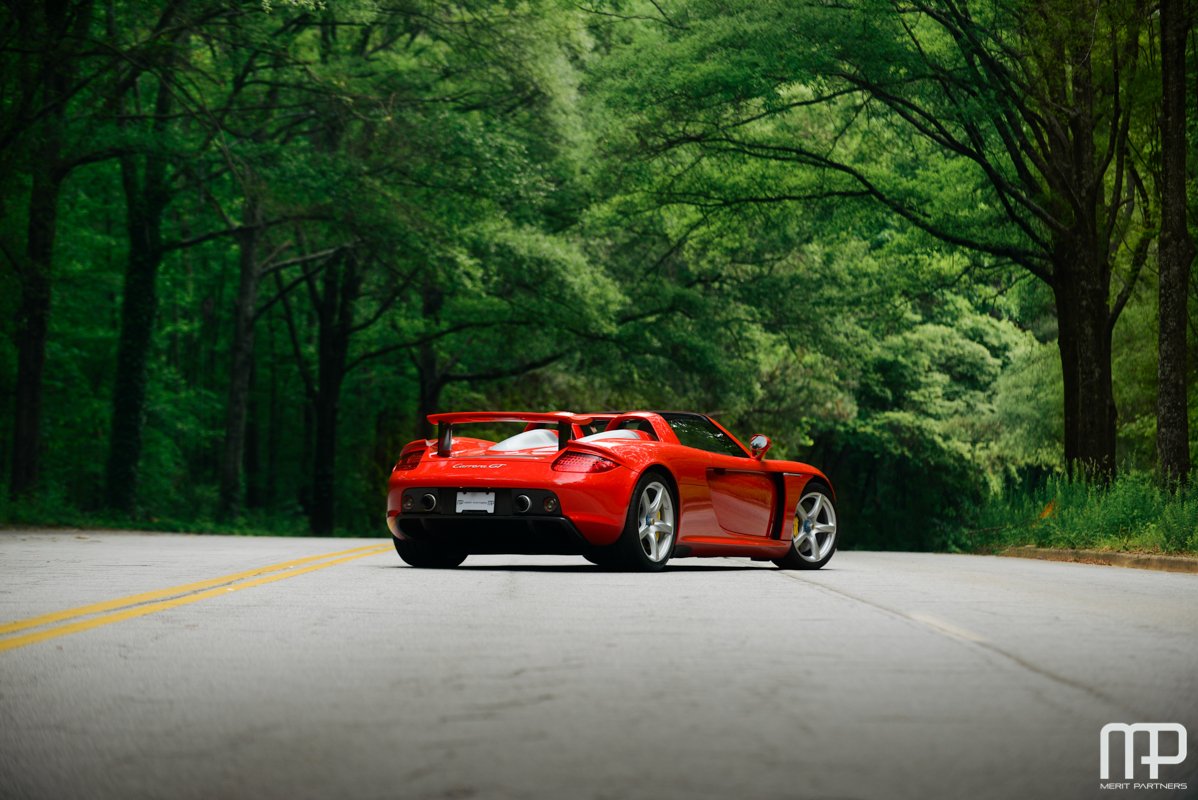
(1176, 249)
(155, 166)
(251, 139)
(428, 166)
(146, 187)
(302, 228)
(1001, 128)
(49, 36)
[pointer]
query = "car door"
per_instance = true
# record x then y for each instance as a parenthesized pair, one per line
(742, 496)
(741, 493)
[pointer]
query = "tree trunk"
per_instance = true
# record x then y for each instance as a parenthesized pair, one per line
(251, 464)
(431, 381)
(138, 310)
(304, 487)
(273, 427)
(1081, 273)
(339, 292)
(324, 466)
(33, 320)
(145, 199)
(430, 386)
(1176, 251)
(1096, 394)
(1067, 349)
(1081, 286)
(242, 364)
(45, 25)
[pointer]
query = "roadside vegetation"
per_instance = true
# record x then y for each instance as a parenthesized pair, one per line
(1135, 514)
(942, 251)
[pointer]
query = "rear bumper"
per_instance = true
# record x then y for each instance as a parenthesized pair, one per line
(523, 535)
(588, 512)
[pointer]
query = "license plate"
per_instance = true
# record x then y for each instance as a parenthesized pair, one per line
(476, 501)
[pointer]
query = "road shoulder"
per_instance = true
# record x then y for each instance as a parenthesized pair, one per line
(1154, 561)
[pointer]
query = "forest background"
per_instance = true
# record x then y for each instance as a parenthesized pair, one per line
(940, 248)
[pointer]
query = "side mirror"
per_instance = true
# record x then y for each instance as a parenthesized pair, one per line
(759, 444)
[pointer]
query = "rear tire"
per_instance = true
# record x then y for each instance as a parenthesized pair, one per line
(651, 527)
(427, 555)
(815, 533)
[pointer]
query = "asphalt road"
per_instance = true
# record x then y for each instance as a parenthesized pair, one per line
(885, 675)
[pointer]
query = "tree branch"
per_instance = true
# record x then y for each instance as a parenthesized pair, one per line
(496, 374)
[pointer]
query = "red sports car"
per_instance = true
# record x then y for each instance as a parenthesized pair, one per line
(630, 490)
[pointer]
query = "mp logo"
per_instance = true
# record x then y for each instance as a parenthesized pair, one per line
(1154, 759)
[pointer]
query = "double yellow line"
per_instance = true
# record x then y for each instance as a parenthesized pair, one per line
(139, 605)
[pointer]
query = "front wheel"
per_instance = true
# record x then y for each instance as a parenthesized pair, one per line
(650, 529)
(813, 538)
(427, 555)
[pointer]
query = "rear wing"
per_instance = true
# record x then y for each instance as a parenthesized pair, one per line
(564, 420)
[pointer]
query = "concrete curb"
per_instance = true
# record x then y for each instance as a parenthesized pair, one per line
(1160, 563)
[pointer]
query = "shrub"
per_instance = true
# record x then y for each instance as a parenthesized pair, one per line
(1133, 513)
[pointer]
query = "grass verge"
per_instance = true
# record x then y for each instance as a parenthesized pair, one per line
(1134, 514)
(49, 512)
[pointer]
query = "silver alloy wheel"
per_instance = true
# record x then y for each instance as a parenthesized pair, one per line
(815, 527)
(655, 521)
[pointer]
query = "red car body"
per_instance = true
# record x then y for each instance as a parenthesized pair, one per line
(574, 497)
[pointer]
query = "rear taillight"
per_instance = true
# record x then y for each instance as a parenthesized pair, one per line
(582, 462)
(409, 460)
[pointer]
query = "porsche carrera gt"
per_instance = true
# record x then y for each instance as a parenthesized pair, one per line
(627, 490)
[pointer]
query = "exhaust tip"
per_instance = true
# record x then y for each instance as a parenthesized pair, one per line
(523, 503)
(428, 502)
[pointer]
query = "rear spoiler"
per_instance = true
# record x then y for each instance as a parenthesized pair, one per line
(564, 420)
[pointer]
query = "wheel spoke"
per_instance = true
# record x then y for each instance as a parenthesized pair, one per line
(823, 527)
(655, 504)
(816, 507)
(805, 541)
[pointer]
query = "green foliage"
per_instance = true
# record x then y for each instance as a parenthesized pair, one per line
(1133, 514)
(473, 205)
